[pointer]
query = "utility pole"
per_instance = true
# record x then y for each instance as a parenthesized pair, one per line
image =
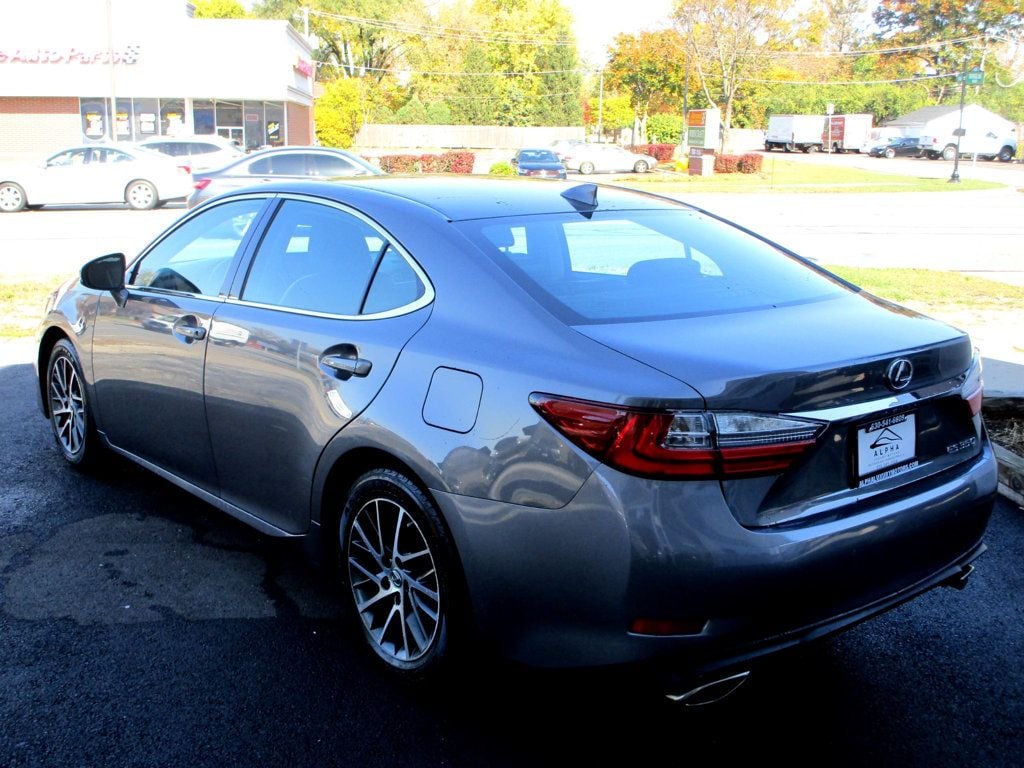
(955, 178)
(683, 137)
(600, 108)
(112, 118)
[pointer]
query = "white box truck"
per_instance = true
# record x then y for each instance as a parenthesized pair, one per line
(792, 132)
(848, 133)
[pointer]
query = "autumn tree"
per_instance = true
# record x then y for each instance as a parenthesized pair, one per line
(219, 9)
(647, 65)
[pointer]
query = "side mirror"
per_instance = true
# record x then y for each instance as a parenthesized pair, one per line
(106, 273)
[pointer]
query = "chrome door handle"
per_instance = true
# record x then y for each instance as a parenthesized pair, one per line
(193, 332)
(353, 366)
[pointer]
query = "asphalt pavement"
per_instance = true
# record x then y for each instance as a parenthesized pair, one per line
(141, 627)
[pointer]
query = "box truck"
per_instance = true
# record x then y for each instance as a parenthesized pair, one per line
(792, 132)
(848, 133)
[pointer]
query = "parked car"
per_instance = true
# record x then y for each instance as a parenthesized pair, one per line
(278, 164)
(538, 162)
(96, 173)
(591, 158)
(578, 424)
(561, 147)
(195, 153)
(901, 146)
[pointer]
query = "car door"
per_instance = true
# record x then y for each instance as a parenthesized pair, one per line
(65, 178)
(301, 348)
(148, 355)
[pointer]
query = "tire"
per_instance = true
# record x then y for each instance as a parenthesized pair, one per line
(949, 153)
(640, 167)
(811, 148)
(12, 197)
(1005, 154)
(384, 507)
(141, 196)
(890, 153)
(787, 147)
(768, 147)
(67, 402)
(586, 168)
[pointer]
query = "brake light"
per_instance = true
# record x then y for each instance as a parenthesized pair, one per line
(185, 169)
(973, 389)
(201, 183)
(680, 444)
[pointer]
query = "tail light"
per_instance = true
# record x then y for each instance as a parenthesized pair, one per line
(201, 183)
(973, 388)
(185, 169)
(680, 444)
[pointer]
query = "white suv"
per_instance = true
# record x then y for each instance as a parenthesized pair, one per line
(195, 153)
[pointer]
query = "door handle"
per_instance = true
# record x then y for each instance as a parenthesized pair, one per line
(353, 366)
(190, 332)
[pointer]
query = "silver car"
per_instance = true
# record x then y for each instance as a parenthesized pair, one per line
(577, 424)
(594, 158)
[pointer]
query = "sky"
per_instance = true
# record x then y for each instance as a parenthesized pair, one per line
(598, 21)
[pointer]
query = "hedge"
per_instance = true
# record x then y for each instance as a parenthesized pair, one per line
(449, 162)
(750, 162)
(727, 163)
(660, 152)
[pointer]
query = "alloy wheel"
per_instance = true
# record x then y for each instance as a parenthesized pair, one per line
(394, 581)
(11, 198)
(67, 406)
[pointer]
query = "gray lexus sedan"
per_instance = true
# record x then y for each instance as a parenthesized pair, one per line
(580, 425)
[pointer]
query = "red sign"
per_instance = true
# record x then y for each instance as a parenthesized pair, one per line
(304, 68)
(129, 55)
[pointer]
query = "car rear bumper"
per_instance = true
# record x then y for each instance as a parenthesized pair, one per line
(563, 587)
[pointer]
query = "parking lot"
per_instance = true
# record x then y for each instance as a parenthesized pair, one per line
(139, 626)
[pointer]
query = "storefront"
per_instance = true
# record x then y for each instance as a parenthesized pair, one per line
(74, 71)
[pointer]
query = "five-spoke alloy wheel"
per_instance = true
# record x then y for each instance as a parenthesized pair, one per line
(69, 409)
(395, 554)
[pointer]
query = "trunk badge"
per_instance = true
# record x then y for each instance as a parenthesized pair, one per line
(899, 373)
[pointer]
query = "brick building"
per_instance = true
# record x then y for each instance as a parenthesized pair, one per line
(67, 67)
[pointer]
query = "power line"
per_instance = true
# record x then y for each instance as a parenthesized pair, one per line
(851, 82)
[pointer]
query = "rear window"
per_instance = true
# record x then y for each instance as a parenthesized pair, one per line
(623, 266)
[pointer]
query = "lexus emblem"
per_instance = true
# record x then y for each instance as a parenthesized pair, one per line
(899, 373)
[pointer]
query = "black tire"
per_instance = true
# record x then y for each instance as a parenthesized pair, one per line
(949, 153)
(586, 168)
(379, 584)
(140, 195)
(890, 153)
(1005, 154)
(811, 148)
(768, 146)
(67, 403)
(788, 147)
(640, 167)
(12, 197)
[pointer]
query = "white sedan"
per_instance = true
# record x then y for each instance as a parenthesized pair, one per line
(590, 158)
(96, 173)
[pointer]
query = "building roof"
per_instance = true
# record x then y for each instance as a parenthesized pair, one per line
(923, 115)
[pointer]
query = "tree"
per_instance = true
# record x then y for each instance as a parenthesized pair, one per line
(615, 112)
(731, 43)
(219, 9)
(646, 66)
(338, 113)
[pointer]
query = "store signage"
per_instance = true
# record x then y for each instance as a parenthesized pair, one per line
(304, 67)
(702, 128)
(128, 55)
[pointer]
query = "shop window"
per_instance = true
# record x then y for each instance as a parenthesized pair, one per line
(147, 114)
(254, 124)
(275, 124)
(172, 117)
(204, 117)
(94, 118)
(123, 120)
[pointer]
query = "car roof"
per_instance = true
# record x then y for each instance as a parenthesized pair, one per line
(458, 198)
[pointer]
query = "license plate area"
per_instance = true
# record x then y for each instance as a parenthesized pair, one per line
(886, 448)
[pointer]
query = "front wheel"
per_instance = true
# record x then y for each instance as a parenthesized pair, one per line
(70, 416)
(12, 197)
(396, 559)
(640, 167)
(949, 153)
(586, 168)
(141, 196)
(890, 153)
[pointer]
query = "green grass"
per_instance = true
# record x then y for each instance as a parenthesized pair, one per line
(778, 175)
(21, 307)
(933, 288)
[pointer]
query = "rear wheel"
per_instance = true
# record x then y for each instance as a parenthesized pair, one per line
(396, 559)
(768, 146)
(12, 197)
(1006, 154)
(586, 168)
(949, 153)
(811, 148)
(70, 415)
(141, 195)
(640, 167)
(788, 147)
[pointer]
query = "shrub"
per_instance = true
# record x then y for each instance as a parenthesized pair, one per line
(433, 164)
(502, 169)
(660, 152)
(665, 127)
(399, 163)
(459, 162)
(726, 163)
(750, 162)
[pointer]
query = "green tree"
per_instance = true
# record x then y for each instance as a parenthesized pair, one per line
(338, 113)
(647, 65)
(219, 9)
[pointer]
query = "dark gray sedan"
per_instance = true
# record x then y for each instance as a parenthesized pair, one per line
(577, 424)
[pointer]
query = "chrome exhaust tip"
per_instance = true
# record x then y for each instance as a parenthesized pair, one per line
(711, 692)
(959, 579)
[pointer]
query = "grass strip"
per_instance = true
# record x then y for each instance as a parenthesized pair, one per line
(934, 288)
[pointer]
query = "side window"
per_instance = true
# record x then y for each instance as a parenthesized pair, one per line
(196, 256)
(291, 164)
(204, 149)
(330, 165)
(71, 157)
(314, 257)
(114, 156)
(394, 285)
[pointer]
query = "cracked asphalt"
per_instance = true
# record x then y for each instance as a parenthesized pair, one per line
(141, 627)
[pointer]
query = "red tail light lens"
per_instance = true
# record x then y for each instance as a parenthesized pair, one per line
(680, 444)
(973, 388)
(201, 183)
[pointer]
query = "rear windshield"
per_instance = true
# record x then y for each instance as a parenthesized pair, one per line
(622, 266)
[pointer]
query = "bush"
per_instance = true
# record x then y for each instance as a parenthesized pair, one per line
(502, 169)
(660, 152)
(750, 163)
(399, 163)
(433, 164)
(459, 162)
(727, 163)
(665, 127)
